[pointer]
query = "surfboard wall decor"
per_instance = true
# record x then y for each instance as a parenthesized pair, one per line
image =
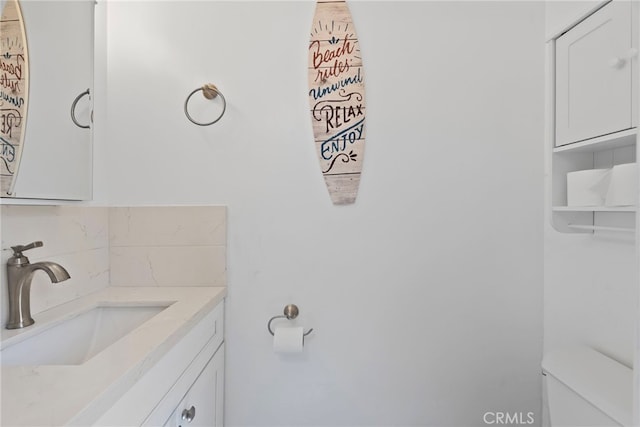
(14, 93)
(336, 97)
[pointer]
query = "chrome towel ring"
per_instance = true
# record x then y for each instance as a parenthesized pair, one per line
(209, 91)
(290, 312)
(73, 110)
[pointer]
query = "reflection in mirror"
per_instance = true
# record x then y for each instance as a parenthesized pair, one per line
(56, 158)
(14, 92)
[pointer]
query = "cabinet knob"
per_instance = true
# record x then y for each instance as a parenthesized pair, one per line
(189, 414)
(620, 61)
(617, 63)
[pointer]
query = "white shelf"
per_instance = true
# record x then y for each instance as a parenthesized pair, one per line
(601, 228)
(620, 139)
(594, 208)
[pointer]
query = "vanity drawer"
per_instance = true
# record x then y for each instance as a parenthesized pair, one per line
(197, 398)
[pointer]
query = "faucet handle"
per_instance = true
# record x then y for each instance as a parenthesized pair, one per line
(17, 250)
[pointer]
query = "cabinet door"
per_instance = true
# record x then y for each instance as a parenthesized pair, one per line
(203, 404)
(594, 75)
(57, 156)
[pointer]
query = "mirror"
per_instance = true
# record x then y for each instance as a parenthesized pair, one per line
(14, 92)
(56, 160)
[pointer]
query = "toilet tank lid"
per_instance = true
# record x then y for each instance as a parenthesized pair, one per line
(605, 383)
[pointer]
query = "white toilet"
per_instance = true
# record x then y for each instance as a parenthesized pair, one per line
(587, 388)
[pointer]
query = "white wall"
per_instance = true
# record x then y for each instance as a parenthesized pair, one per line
(426, 295)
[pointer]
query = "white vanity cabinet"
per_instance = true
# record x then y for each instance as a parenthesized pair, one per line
(595, 62)
(190, 375)
(203, 404)
(57, 155)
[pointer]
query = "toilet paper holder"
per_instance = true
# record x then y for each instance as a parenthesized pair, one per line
(290, 312)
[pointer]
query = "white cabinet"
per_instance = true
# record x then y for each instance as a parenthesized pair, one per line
(592, 111)
(190, 374)
(595, 64)
(57, 155)
(203, 404)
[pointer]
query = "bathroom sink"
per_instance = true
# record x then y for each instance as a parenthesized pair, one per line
(75, 340)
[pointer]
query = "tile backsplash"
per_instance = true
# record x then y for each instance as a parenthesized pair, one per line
(101, 246)
(75, 237)
(168, 246)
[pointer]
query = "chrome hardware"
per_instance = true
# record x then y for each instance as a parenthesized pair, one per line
(209, 91)
(73, 110)
(290, 312)
(189, 414)
(18, 249)
(19, 275)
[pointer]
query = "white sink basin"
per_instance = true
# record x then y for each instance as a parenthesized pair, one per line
(75, 340)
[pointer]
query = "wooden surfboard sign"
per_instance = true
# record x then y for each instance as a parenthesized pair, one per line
(14, 93)
(336, 98)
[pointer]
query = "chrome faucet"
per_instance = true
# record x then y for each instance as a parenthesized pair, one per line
(19, 275)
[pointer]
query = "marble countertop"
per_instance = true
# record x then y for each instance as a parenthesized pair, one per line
(56, 395)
